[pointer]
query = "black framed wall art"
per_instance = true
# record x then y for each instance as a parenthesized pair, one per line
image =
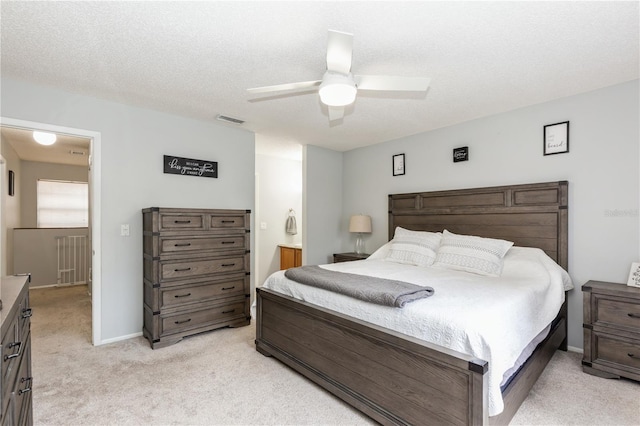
(398, 164)
(556, 138)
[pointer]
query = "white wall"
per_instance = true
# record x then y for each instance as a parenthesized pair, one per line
(133, 142)
(280, 188)
(601, 167)
(11, 214)
(322, 201)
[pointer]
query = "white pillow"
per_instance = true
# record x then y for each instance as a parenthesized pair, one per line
(472, 254)
(381, 253)
(413, 247)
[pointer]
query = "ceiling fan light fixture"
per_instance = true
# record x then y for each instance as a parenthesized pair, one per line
(337, 89)
(44, 138)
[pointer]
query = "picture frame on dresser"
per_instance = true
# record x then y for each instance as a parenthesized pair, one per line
(634, 275)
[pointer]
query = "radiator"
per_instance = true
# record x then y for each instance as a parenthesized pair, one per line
(72, 259)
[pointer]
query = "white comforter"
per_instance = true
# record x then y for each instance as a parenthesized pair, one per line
(490, 318)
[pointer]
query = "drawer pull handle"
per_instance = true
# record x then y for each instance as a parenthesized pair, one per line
(181, 221)
(28, 388)
(13, 345)
(183, 321)
(634, 315)
(632, 355)
(27, 313)
(228, 221)
(228, 264)
(228, 242)
(228, 288)
(182, 245)
(182, 270)
(229, 312)
(182, 295)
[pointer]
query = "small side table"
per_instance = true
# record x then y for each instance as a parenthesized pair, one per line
(611, 330)
(348, 257)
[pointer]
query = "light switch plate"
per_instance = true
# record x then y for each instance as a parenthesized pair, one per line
(124, 230)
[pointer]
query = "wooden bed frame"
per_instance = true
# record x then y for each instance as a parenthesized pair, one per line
(397, 379)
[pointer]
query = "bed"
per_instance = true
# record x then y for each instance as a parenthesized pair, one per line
(374, 368)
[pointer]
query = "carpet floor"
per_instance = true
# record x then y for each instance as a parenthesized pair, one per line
(218, 378)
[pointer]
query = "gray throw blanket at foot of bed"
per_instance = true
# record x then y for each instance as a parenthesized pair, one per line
(370, 289)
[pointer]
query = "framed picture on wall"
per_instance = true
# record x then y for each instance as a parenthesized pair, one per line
(556, 138)
(12, 183)
(398, 164)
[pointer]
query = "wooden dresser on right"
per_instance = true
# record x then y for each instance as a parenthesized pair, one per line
(611, 330)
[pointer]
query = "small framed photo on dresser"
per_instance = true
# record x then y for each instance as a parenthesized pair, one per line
(634, 275)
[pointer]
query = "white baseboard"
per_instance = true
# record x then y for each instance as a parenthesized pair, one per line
(574, 349)
(56, 285)
(119, 338)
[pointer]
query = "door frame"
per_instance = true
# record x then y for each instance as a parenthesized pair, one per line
(95, 173)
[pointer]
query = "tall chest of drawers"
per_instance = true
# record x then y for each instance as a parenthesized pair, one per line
(16, 383)
(196, 272)
(611, 330)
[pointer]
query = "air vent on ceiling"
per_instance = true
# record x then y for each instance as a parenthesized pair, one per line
(229, 119)
(72, 152)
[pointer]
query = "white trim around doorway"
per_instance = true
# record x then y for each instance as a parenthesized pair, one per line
(95, 173)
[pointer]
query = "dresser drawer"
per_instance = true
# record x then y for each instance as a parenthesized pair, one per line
(194, 268)
(12, 348)
(200, 318)
(184, 295)
(173, 245)
(617, 313)
(182, 222)
(24, 384)
(624, 352)
(222, 222)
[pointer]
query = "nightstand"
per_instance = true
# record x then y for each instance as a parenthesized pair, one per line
(348, 257)
(611, 330)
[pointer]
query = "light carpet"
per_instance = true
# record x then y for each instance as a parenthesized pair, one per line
(218, 378)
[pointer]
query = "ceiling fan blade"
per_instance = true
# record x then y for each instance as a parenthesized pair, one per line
(392, 83)
(289, 86)
(339, 50)
(335, 113)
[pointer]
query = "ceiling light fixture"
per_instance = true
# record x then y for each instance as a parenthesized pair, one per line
(337, 89)
(44, 138)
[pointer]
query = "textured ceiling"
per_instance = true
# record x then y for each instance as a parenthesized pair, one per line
(71, 150)
(198, 58)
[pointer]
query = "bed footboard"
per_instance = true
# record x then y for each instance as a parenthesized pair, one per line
(389, 376)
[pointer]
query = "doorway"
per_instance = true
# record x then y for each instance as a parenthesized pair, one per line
(93, 140)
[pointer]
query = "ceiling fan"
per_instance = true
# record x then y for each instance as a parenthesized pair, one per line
(339, 86)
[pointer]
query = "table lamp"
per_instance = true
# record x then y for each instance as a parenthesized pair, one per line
(360, 224)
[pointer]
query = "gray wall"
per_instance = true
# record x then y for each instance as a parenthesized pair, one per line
(41, 251)
(322, 203)
(30, 173)
(133, 142)
(601, 167)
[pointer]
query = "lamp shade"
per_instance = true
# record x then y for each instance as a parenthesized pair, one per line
(360, 223)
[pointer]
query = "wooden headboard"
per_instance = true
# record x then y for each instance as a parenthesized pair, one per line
(531, 215)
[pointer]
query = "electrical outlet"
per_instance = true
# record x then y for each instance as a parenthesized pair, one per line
(124, 230)
(263, 225)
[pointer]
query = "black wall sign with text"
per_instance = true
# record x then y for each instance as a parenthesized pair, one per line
(190, 167)
(461, 154)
